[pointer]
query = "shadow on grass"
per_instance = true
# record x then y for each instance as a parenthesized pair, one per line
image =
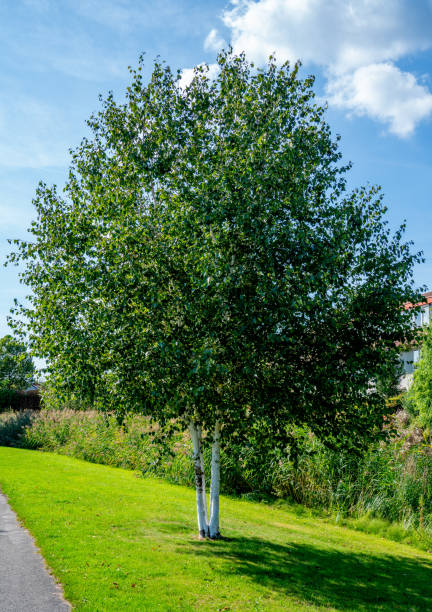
(12, 426)
(341, 579)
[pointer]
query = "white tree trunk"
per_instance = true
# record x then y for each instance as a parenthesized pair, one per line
(201, 501)
(204, 489)
(215, 484)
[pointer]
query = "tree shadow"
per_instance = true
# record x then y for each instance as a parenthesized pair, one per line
(12, 426)
(340, 579)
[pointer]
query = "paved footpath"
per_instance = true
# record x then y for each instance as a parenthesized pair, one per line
(25, 584)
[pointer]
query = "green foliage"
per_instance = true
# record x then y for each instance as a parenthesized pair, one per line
(16, 371)
(206, 262)
(16, 368)
(385, 482)
(419, 396)
(52, 400)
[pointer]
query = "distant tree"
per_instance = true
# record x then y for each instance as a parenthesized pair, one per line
(207, 267)
(16, 366)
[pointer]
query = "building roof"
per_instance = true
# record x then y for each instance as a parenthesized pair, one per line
(427, 300)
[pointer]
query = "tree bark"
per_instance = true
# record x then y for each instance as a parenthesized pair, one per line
(204, 490)
(201, 501)
(215, 484)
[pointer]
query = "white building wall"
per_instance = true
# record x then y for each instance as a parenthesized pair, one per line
(410, 358)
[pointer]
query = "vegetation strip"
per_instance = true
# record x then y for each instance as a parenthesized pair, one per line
(118, 542)
(385, 492)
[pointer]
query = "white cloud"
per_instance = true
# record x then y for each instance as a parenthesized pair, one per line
(214, 41)
(385, 93)
(340, 33)
(186, 77)
(348, 40)
(188, 74)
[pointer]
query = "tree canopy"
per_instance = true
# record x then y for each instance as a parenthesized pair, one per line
(206, 264)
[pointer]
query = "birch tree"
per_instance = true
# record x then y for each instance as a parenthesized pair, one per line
(205, 265)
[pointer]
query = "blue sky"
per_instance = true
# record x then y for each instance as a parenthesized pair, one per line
(372, 59)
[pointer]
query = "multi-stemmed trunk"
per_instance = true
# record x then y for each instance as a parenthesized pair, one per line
(206, 527)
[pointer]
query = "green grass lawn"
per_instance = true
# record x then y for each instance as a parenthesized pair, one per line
(120, 542)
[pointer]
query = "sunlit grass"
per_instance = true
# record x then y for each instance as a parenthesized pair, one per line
(120, 542)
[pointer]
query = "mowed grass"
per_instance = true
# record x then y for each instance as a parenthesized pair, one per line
(118, 542)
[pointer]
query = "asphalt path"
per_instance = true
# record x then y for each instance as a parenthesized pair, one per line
(25, 584)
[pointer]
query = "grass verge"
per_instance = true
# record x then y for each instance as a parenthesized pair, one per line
(118, 542)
